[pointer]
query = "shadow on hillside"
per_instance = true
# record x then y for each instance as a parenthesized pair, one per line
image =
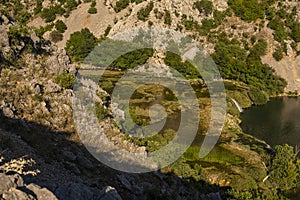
(50, 145)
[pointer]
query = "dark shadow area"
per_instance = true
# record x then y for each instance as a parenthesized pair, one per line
(67, 169)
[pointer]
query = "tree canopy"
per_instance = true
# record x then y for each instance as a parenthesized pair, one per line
(80, 44)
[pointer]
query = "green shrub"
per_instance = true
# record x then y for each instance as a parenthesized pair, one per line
(132, 59)
(101, 112)
(204, 6)
(144, 12)
(60, 26)
(92, 10)
(56, 36)
(65, 80)
(295, 34)
(106, 32)
(120, 5)
(80, 44)
(48, 14)
(278, 54)
(167, 19)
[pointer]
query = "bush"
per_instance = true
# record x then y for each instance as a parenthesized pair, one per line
(48, 14)
(204, 6)
(106, 32)
(65, 80)
(168, 19)
(120, 5)
(56, 36)
(80, 44)
(92, 10)
(295, 34)
(278, 54)
(144, 13)
(101, 112)
(60, 26)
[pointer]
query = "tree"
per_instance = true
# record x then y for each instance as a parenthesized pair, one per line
(204, 6)
(284, 172)
(60, 26)
(80, 44)
(296, 32)
(278, 54)
(144, 13)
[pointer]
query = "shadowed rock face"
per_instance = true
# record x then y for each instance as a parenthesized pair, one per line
(12, 187)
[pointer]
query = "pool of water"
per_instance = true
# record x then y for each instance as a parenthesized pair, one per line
(277, 122)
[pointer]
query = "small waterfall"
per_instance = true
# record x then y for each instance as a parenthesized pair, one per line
(237, 105)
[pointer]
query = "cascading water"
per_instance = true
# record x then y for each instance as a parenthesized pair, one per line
(237, 105)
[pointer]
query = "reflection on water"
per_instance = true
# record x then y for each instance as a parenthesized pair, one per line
(277, 122)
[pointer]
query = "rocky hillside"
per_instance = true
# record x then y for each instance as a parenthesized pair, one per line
(41, 155)
(201, 20)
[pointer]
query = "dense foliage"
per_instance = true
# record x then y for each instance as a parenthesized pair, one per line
(132, 59)
(235, 63)
(144, 12)
(185, 68)
(80, 44)
(284, 169)
(60, 26)
(204, 6)
(248, 10)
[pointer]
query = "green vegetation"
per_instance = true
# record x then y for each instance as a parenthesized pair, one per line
(106, 32)
(204, 6)
(49, 14)
(93, 9)
(65, 80)
(167, 18)
(249, 10)
(257, 96)
(101, 112)
(80, 44)
(295, 34)
(120, 5)
(56, 36)
(284, 169)
(234, 63)
(185, 68)
(144, 12)
(155, 142)
(278, 54)
(60, 26)
(132, 59)
(41, 30)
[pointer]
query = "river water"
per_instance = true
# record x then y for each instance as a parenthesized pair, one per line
(277, 122)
